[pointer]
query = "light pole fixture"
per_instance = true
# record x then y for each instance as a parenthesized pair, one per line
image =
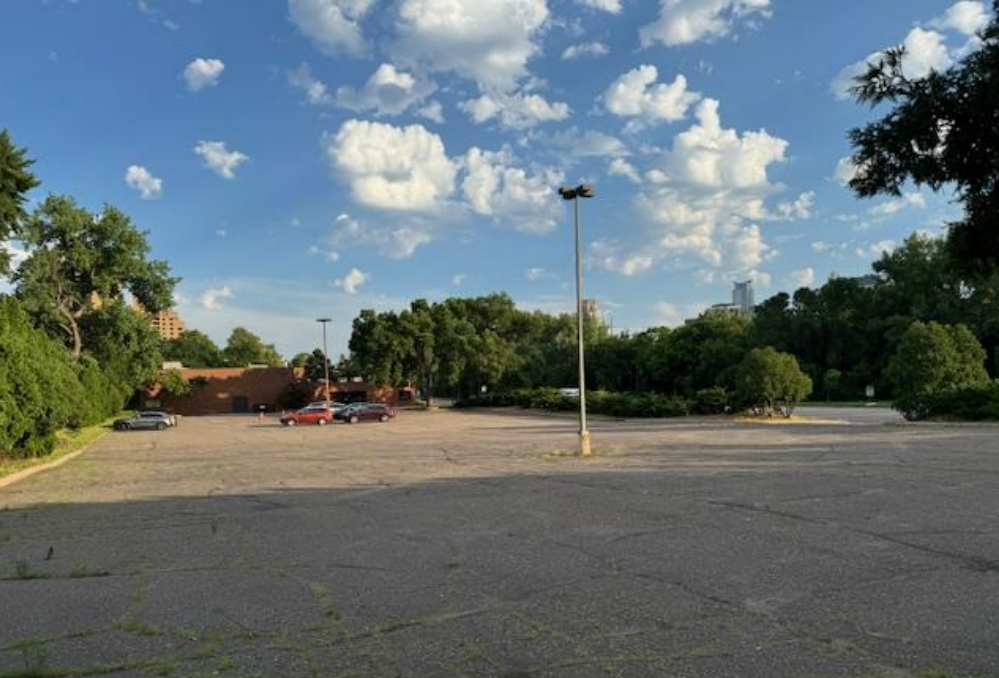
(574, 194)
(326, 359)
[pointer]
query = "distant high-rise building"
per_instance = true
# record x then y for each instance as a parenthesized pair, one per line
(166, 323)
(743, 295)
(591, 312)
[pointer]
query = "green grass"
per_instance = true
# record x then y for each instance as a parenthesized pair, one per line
(67, 442)
(23, 571)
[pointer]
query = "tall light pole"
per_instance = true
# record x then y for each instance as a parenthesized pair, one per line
(326, 359)
(574, 194)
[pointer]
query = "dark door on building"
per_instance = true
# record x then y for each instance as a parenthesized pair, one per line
(240, 404)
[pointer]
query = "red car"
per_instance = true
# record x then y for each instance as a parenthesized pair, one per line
(316, 413)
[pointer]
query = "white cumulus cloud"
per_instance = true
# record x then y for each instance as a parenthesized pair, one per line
(315, 91)
(515, 111)
(703, 200)
(620, 167)
(388, 91)
(967, 17)
(219, 159)
(612, 6)
(585, 49)
(804, 277)
(394, 240)
(846, 170)
(211, 299)
(874, 251)
(352, 282)
(392, 168)
(488, 42)
(636, 94)
(682, 22)
(926, 48)
(148, 186)
(332, 25)
(494, 186)
(202, 73)
(896, 205)
(800, 208)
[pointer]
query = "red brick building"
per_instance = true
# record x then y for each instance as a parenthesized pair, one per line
(250, 389)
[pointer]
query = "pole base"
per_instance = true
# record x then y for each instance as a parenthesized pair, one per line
(584, 444)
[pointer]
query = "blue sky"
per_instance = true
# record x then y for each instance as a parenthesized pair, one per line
(303, 158)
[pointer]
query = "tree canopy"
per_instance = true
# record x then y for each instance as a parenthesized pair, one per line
(78, 261)
(941, 130)
(15, 181)
(193, 348)
(246, 348)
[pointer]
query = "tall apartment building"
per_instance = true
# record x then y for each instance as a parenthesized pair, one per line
(166, 323)
(591, 312)
(743, 296)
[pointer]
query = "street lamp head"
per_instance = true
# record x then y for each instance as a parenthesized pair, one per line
(581, 191)
(324, 320)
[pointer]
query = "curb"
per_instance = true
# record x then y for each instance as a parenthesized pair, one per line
(32, 470)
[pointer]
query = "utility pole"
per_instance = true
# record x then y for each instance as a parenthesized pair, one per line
(326, 358)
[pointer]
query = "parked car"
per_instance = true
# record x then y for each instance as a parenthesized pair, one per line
(313, 413)
(366, 412)
(334, 405)
(142, 420)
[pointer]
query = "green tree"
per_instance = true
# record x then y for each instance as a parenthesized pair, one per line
(941, 130)
(705, 352)
(832, 383)
(193, 349)
(79, 261)
(378, 348)
(419, 329)
(933, 359)
(299, 360)
(771, 382)
(174, 383)
(246, 348)
(316, 366)
(125, 346)
(15, 181)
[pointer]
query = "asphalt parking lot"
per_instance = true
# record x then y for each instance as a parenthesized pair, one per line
(470, 544)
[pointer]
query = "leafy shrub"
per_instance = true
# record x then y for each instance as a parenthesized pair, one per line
(770, 382)
(40, 392)
(642, 405)
(714, 400)
(976, 403)
(932, 361)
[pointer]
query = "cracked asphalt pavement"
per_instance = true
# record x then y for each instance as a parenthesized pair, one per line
(471, 544)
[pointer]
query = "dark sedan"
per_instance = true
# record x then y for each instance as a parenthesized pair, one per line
(365, 412)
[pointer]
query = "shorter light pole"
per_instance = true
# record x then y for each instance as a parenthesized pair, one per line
(574, 194)
(326, 359)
